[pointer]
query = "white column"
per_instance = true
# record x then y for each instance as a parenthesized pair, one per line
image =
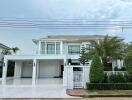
(65, 74)
(37, 69)
(61, 48)
(39, 47)
(70, 78)
(18, 69)
(4, 72)
(122, 63)
(119, 63)
(86, 70)
(34, 72)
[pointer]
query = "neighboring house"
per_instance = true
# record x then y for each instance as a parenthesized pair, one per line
(2, 48)
(52, 58)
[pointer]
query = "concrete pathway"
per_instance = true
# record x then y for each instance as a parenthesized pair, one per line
(28, 91)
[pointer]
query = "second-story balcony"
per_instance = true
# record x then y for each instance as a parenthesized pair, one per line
(51, 52)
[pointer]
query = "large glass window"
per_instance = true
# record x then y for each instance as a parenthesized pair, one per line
(43, 48)
(74, 49)
(57, 47)
(50, 47)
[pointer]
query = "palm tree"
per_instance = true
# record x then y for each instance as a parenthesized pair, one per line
(109, 48)
(15, 49)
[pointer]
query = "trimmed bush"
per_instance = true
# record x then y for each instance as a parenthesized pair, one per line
(109, 86)
(96, 70)
(117, 78)
(105, 78)
(128, 63)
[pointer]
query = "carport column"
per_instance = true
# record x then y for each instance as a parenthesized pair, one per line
(4, 73)
(34, 71)
(18, 69)
(65, 74)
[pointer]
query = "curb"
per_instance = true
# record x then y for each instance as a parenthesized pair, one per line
(107, 95)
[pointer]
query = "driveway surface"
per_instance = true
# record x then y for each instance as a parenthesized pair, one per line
(44, 88)
(10, 91)
(79, 99)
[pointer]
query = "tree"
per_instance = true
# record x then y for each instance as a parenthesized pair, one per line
(96, 70)
(128, 60)
(108, 48)
(83, 56)
(15, 49)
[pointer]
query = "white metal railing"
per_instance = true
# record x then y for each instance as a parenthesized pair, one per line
(78, 79)
(115, 72)
(51, 52)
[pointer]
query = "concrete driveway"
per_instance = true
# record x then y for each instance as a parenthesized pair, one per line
(45, 88)
(10, 91)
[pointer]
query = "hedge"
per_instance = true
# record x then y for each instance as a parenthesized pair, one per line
(109, 86)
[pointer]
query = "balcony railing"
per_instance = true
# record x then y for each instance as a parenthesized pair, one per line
(51, 52)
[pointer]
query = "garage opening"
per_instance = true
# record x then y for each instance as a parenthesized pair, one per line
(19, 72)
(50, 71)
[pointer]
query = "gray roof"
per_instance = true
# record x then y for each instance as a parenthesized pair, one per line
(72, 37)
(4, 46)
(80, 37)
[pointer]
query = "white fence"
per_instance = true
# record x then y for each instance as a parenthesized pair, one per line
(75, 79)
(115, 72)
(78, 79)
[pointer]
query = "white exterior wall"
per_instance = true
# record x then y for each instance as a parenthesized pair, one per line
(49, 68)
(69, 78)
(27, 69)
(18, 69)
(86, 75)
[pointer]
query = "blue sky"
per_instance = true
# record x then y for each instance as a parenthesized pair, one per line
(60, 9)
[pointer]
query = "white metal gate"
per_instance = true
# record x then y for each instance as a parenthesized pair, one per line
(78, 79)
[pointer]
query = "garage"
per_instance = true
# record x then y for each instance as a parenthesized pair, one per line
(49, 68)
(27, 69)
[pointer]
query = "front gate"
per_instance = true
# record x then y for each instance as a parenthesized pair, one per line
(78, 79)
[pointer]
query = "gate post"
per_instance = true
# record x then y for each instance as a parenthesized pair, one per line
(70, 77)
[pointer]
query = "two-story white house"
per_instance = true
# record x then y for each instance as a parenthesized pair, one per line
(51, 61)
(2, 49)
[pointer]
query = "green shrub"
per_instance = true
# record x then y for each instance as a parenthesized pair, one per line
(117, 78)
(105, 78)
(109, 86)
(128, 63)
(96, 70)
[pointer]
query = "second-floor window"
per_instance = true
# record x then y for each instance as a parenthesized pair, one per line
(74, 49)
(50, 48)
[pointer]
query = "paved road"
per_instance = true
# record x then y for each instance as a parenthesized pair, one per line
(113, 98)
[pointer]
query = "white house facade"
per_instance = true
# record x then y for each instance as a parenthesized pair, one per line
(2, 49)
(52, 60)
